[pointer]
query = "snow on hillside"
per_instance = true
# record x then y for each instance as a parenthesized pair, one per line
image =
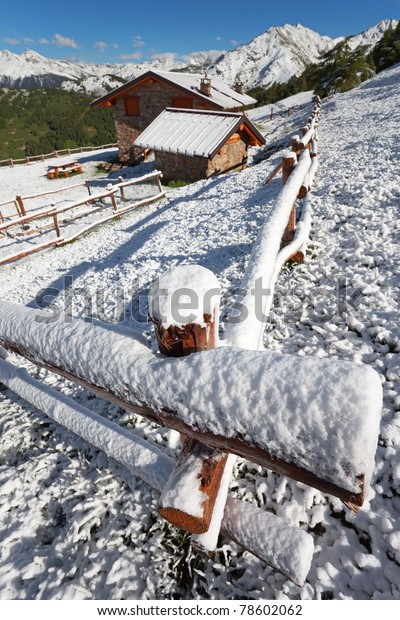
(74, 523)
(292, 103)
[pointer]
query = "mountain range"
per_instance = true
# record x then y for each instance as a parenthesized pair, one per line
(274, 56)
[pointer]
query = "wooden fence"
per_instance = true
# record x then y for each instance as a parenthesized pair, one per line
(52, 213)
(57, 153)
(229, 401)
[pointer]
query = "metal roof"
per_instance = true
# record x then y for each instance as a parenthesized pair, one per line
(222, 95)
(193, 132)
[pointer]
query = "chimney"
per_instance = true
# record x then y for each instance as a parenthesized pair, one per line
(205, 86)
(239, 87)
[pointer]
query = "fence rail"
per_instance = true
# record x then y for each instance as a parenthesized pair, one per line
(52, 212)
(56, 153)
(279, 239)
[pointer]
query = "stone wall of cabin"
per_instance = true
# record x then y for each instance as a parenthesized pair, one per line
(176, 167)
(153, 98)
(231, 157)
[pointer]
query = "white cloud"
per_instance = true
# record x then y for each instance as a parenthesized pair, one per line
(44, 41)
(166, 56)
(11, 41)
(137, 41)
(58, 39)
(218, 38)
(134, 56)
(234, 42)
(28, 40)
(101, 46)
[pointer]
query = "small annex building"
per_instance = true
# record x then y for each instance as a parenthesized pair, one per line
(138, 102)
(195, 144)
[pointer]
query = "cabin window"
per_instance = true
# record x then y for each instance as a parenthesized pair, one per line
(131, 106)
(182, 102)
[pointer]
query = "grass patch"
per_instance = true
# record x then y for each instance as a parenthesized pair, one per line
(177, 183)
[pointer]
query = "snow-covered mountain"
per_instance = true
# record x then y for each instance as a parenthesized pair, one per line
(273, 56)
(31, 69)
(371, 36)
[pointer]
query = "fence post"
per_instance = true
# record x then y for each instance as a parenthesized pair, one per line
(55, 220)
(112, 196)
(21, 205)
(11, 163)
(295, 145)
(87, 183)
(288, 164)
(159, 177)
(121, 189)
(198, 465)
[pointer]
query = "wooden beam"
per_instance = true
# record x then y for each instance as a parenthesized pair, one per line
(273, 174)
(188, 498)
(340, 394)
(153, 466)
(190, 493)
(169, 418)
(31, 250)
(288, 165)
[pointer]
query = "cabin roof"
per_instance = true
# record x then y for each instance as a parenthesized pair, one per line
(222, 95)
(195, 132)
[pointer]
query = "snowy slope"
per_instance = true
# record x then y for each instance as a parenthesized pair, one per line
(74, 523)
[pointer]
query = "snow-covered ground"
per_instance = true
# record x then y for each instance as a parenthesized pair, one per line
(75, 524)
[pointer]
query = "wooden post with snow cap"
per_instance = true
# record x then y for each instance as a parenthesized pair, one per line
(288, 164)
(184, 326)
(294, 141)
(188, 498)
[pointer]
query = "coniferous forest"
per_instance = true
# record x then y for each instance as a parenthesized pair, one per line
(40, 120)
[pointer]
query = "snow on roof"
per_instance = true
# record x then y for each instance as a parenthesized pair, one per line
(193, 132)
(222, 95)
(221, 92)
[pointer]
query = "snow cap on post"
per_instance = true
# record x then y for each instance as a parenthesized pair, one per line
(184, 307)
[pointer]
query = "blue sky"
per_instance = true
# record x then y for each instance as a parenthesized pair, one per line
(129, 31)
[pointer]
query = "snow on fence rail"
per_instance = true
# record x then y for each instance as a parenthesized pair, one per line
(314, 420)
(56, 153)
(279, 239)
(263, 534)
(53, 213)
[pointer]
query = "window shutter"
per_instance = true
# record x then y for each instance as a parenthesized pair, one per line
(131, 106)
